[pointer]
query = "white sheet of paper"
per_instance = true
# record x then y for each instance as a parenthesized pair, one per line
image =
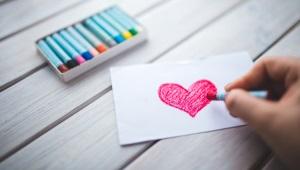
(142, 116)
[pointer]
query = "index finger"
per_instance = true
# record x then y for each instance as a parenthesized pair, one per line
(264, 71)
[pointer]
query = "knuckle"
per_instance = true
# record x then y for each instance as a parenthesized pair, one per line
(231, 101)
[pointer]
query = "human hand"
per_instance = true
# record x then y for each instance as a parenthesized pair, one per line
(276, 120)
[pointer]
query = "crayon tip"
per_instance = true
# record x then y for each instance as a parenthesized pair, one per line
(62, 68)
(94, 52)
(101, 48)
(119, 39)
(87, 55)
(71, 63)
(127, 35)
(80, 59)
(133, 31)
(112, 43)
(211, 95)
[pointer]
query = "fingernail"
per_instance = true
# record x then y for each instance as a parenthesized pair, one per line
(227, 87)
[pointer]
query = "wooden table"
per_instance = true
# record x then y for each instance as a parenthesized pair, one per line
(48, 124)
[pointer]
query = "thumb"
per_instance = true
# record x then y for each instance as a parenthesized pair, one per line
(256, 112)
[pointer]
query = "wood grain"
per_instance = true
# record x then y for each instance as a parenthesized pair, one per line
(45, 100)
(215, 150)
(17, 15)
(288, 47)
(245, 145)
(260, 24)
(235, 148)
(134, 6)
(97, 138)
(23, 57)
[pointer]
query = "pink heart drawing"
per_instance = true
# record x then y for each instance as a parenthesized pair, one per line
(191, 100)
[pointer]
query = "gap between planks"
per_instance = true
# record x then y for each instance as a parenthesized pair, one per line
(101, 93)
(45, 130)
(260, 164)
(274, 163)
(73, 111)
(278, 39)
(264, 160)
(225, 13)
(38, 21)
(61, 120)
(137, 155)
(53, 124)
(18, 79)
(44, 64)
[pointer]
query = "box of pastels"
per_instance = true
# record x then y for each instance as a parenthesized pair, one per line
(78, 48)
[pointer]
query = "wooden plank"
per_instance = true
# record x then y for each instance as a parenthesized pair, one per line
(23, 57)
(289, 46)
(234, 148)
(45, 100)
(237, 148)
(97, 139)
(134, 6)
(17, 15)
(275, 164)
(260, 38)
(94, 151)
